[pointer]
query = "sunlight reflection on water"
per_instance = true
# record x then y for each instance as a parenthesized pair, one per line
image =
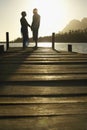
(76, 47)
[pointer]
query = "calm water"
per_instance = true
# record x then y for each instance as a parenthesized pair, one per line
(76, 47)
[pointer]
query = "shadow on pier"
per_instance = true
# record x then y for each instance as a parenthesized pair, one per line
(43, 89)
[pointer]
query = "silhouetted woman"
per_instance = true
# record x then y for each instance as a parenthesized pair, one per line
(24, 29)
(35, 25)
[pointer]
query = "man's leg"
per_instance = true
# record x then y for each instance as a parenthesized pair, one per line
(35, 36)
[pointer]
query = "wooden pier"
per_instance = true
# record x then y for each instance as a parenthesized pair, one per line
(42, 89)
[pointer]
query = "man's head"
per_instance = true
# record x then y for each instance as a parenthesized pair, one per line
(35, 11)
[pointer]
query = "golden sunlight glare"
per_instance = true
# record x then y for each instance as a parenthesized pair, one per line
(53, 13)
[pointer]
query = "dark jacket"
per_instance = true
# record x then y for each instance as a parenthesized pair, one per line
(24, 25)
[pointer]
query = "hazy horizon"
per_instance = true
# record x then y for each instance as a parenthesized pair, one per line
(55, 14)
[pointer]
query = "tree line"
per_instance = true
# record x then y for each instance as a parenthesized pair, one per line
(71, 36)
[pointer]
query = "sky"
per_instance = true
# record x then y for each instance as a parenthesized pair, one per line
(55, 15)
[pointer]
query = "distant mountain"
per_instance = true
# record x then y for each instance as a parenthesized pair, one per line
(76, 25)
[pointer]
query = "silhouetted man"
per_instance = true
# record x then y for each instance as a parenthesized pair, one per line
(35, 25)
(24, 29)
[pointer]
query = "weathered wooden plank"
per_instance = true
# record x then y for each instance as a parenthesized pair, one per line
(46, 62)
(43, 71)
(41, 100)
(43, 109)
(38, 55)
(10, 68)
(64, 122)
(26, 90)
(43, 77)
(34, 55)
(49, 54)
(44, 59)
(47, 66)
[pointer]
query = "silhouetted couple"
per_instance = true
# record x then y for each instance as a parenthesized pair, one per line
(34, 27)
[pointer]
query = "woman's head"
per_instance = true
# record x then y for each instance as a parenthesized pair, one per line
(23, 13)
